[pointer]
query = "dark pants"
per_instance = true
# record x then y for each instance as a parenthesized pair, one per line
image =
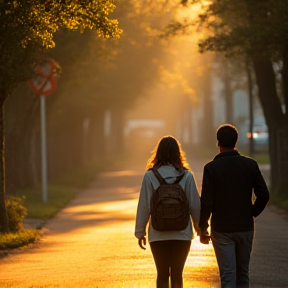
(170, 257)
(232, 252)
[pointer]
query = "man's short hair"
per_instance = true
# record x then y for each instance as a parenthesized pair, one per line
(227, 136)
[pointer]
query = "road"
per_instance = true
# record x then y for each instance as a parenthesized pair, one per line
(90, 243)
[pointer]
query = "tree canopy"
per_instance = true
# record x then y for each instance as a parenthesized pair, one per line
(246, 27)
(33, 25)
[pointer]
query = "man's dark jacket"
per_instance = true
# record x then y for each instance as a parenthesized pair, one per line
(228, 184)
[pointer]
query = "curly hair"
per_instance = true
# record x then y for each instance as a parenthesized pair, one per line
(168, 151)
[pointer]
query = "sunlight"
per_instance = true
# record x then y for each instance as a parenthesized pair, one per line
(200, 254)
(201, 268)
(123, 207)
(122, 173)
(191, 12)
(101, 211)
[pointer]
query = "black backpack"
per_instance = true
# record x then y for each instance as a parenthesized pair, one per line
(169, 205)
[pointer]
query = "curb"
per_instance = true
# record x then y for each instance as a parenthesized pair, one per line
(34, 223)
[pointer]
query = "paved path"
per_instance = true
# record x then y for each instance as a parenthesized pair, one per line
(90, 243)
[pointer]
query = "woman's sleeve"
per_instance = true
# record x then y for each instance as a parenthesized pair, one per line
(194, 200)
(143, 209)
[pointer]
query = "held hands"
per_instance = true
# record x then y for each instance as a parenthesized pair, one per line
(141, 242)
(204, 237)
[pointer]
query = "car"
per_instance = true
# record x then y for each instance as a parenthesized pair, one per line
(260, 136)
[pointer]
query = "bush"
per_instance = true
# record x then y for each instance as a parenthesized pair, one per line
(18, 239)
(16, 212)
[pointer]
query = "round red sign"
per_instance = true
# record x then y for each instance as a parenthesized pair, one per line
(47, 75)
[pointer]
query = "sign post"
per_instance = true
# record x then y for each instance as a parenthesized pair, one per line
(43, 148)
(43, 85)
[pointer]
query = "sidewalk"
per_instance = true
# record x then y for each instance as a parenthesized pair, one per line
(90, 243)
(265, 170)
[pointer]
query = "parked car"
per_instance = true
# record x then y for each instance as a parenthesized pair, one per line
(260, 137)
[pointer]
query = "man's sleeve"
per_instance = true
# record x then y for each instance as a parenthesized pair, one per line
(261, 192)
(207, 199)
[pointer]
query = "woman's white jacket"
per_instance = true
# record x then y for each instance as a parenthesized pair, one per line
(150, 182)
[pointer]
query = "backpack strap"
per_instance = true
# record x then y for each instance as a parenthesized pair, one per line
(179, 178)
(162, 181)
(158, 176)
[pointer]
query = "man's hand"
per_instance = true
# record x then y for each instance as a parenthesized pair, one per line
(204, 237)
(141, 242)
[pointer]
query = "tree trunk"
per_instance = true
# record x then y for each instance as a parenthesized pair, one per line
(117, 130)
(185, 126)
(251, 108)
(98, 132)
(188, 112)
(277, 124)
(228, 93)
(4, 227)
(278, 142)
(29, 157)
(21, 129)
(285, 80)
(208, 133)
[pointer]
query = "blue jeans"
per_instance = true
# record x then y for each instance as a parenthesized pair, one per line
(232, 252)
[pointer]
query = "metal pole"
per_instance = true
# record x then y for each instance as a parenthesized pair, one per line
(43, 149)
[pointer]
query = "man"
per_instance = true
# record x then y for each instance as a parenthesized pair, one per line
(227, 196)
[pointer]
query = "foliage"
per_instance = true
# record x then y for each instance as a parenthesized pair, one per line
(237, 28)
(33, 25)
(254, 25)
(16, 212)
(18, 239)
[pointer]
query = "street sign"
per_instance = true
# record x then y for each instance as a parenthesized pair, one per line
(45, 82)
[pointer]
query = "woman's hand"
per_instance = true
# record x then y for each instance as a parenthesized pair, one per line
(204, 237)
(141, 242)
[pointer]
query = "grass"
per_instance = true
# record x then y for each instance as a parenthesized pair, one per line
(58, 197)
(18, 239)
(262, 157)
(62, 190)
(279, 201)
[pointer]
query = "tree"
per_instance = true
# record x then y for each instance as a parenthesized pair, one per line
(33, 25)
(98, 77)
(258, 30)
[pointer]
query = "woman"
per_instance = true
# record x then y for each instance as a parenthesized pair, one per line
(169, 248)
